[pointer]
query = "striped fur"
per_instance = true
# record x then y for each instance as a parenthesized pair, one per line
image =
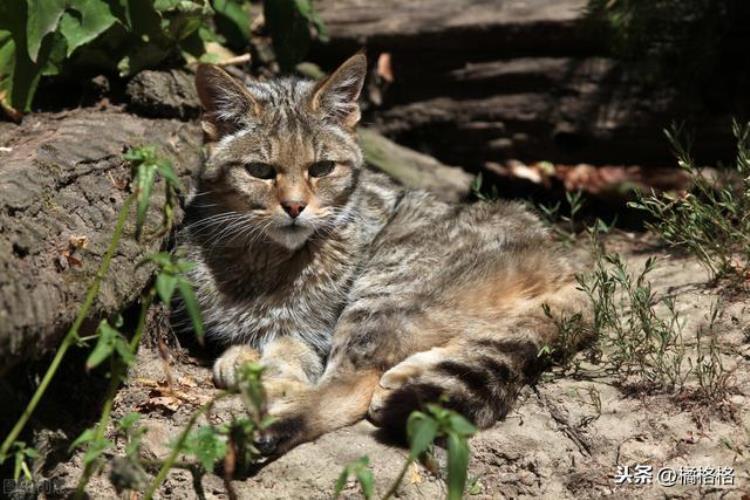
(377, 300)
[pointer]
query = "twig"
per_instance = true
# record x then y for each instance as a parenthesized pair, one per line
(235, 61)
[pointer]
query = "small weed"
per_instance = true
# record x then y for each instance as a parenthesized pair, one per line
(572, 331)
(422, 429)
(711, 222)
(638, 337)
(21, 454)
(360, 469)
(479, 191)
(714, 380)
(475, 487)
(635, 339)
(565, 227)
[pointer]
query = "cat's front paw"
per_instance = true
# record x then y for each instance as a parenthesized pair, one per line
(226, 365)
(282, 435)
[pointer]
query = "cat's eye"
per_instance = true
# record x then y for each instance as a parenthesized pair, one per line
(321, 168)
(261, 170)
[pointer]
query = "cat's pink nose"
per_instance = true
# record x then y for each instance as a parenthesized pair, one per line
(293, 208)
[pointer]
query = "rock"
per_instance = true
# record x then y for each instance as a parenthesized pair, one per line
(163, 94)
(62, 184)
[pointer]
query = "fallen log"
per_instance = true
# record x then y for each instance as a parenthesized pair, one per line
(476, 82)
(62, 183)
(413, 169)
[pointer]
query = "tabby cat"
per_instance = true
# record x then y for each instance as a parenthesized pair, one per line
(361, 298)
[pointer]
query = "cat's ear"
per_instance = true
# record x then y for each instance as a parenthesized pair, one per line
(228, 104)
(337, 95)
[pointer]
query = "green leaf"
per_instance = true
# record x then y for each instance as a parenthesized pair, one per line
(141, 154)
(90, 19)
(233, 22)
(144, 182)
(19, 75)
(95, 449)
(422, 430)
(43, 18)
(367, 481)
(7, 62)
(341, 482)
(458, 463)
(165, 170)
(360, 468)
(129, 420)
(207, 445)
(165, 285)
(22, 452)
(19, 460)
(306, 8)
(123, 349)
(161, 259)
(85, 437)
(191, 306)
(460, 425)
(104, 345)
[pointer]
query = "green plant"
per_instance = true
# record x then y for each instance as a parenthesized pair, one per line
(44, 38)
(72, 336)
(712, 377)
(422, 429)
(712, 222)
(22, 453)
(231, 443)
(637, 336)
(565, 227)
(571, 332)
(40, 38)
(111, 343)
(632, 334)
(360, 469)
(479, 190)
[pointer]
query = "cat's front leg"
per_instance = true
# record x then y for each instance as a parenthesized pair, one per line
(226, 366)
(290, 366)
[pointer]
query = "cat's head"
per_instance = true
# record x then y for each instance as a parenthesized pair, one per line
(285, 160)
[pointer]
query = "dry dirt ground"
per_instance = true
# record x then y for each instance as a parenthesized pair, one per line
(564, 439)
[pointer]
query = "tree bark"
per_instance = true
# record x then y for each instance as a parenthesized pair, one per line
(62, 183)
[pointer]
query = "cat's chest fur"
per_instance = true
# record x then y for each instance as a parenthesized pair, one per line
(252, 298)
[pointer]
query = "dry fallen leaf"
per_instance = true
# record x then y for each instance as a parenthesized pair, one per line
(160, 403)
(78, 241)
(414, 476)
(163, 397)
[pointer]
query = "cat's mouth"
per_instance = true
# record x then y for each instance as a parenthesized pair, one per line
(291, 235)
(295, 225)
